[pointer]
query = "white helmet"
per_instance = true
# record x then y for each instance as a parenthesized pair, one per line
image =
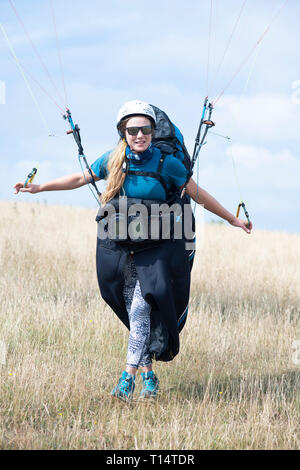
(132, 108)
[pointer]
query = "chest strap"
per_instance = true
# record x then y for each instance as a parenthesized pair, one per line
(153, 174)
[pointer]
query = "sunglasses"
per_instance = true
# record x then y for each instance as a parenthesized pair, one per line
(146, 130)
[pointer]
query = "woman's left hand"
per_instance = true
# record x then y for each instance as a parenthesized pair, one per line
(243, 224)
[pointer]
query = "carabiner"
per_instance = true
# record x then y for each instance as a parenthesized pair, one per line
(30, 177)
(242, 204)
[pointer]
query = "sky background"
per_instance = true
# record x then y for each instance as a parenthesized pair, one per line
(157, 51)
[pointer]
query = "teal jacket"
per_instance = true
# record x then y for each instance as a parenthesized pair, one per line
(173, 173)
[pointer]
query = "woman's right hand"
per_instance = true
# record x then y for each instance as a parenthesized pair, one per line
(30, 188)
(73, 181)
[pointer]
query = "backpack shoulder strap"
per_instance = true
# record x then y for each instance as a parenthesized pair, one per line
(153, 174)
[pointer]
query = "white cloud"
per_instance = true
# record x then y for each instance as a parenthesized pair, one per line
(264, 117)
(279, 169)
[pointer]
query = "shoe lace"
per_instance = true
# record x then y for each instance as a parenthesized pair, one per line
(149, 383)
(125, 385)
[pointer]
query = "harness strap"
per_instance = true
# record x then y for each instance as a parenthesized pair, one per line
(153, 174)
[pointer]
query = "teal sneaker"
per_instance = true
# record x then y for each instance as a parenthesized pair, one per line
(125, 388)
(150, 385)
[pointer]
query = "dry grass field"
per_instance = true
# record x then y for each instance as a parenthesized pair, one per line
(234, 385)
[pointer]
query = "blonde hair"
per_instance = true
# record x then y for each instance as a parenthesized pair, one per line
(116, 176)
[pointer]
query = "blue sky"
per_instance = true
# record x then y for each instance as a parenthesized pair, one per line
(158, 52)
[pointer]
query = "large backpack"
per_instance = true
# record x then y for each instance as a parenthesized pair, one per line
(168, 138)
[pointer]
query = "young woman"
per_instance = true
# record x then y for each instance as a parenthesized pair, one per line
(147, 285)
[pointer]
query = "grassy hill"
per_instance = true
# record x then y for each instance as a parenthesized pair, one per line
(234, 385)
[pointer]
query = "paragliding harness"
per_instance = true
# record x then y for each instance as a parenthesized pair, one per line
(149, 229)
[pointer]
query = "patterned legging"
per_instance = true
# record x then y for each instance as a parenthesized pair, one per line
(139, 318)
